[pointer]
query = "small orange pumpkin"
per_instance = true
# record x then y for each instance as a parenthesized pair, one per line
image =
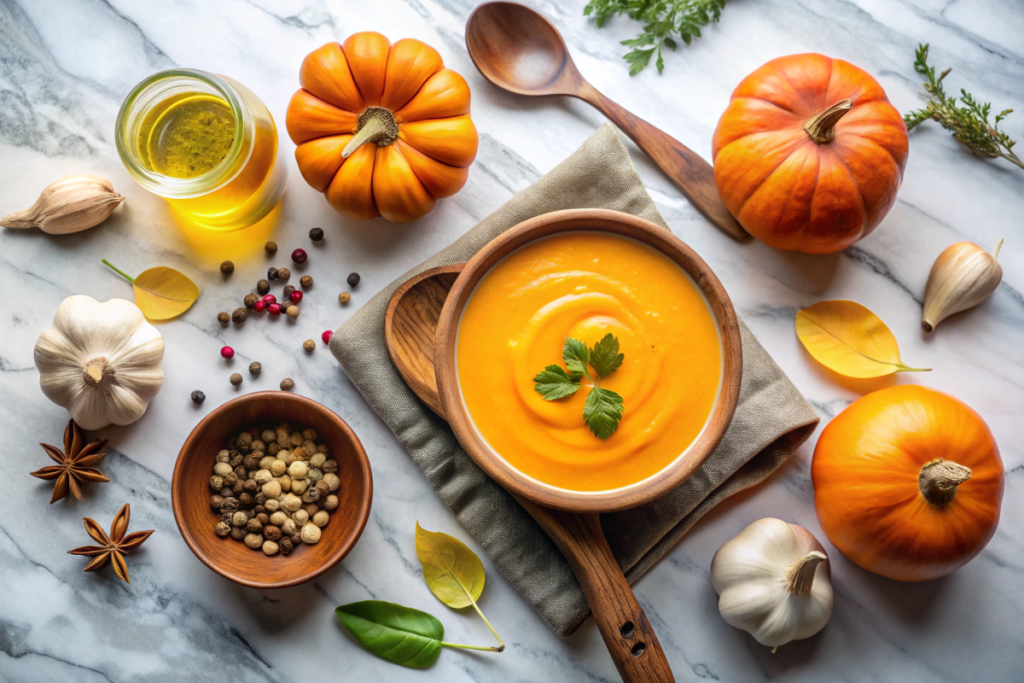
(381, 129)
(809, 154)
(908, 483)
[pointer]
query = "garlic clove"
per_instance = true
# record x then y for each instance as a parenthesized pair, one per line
(68, 205)
(962, 277)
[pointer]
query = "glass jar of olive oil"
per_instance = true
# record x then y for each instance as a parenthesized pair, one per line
(205, 143)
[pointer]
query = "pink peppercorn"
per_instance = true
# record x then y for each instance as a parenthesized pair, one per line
(227, 352)
(274, 309)
(299, 256)
(326, 336)
(270, 299)
(295, 296)
(259, 306)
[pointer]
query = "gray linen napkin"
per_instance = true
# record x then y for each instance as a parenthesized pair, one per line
(772, 419)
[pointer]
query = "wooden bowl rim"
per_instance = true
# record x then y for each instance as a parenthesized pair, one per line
(589, 220)
(339, 552)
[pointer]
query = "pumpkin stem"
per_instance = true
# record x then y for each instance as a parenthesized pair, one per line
(821, 126)
(938, 480)
(97, 373)
(800, 574)
(376, 124)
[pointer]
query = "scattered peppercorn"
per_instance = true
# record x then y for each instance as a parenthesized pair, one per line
(238, 316)
(326, 336)
(227, 352)
(353, 279)
(259, 306)
(250, 299)
(287, 384)
(254, 369)
(223, 317)
(309, 345)
(274, 309)
(292, 312)
(262, 287)
(287, 292)
(316, 234)
(272, 273)
(227, 268)
(270, 247)
(344, 298)
(306, 281)
(299, 256)
(236, 379)
(198, 397)
(284, 274)
(295, 296)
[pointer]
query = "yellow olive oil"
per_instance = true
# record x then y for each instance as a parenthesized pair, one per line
(186, 135)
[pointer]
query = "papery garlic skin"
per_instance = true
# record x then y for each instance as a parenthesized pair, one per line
(68, 205)
(962, 277)
(101, 361)
(773, 581)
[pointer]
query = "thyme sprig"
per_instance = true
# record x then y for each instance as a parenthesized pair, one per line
(967, 120)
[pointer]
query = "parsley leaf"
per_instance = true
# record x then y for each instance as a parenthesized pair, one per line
(663, 19)
(602, 412)
(553, 383)
(603, 408)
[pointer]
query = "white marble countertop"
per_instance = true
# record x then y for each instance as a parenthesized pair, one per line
(64, 69)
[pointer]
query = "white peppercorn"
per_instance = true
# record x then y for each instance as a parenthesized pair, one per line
(298, 470)
(311, 509)
(240, 518)
(314, 475)
(277, 468)
(291, 502)
(278, 518)
(289, 527)
(266, 461)
(270, 548)
(254, 541)
(272, 489)
(263, 476)
(224, 456)
(299, 486)
(222, 468)
(286, 483)
(329, 503)
(317, 459)
(222, 529)
(321, 518)
(216, 482)
(310, 533)
(272, 505)
(285, 456)
(333, 481)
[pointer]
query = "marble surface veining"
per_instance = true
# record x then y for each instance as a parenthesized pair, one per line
(64, 69)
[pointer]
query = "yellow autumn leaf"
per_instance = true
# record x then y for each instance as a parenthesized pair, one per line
(161, 293)
(849, 339)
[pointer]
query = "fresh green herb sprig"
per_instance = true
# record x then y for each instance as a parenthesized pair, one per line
(968, 120)
(603, 407)
(662, 19)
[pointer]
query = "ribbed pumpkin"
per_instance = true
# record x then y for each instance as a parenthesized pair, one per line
(907, 483)
(381, 129)
(809, 154)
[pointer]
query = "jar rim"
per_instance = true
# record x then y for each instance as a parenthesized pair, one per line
(168, 186)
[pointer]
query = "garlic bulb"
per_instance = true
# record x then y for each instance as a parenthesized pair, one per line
(773, 582)
(68, 205)
(962, 277)
(100, 361)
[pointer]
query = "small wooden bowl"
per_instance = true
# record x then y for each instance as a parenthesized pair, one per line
(599, 220)
(190, 491)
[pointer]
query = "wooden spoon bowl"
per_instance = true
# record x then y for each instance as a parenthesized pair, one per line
(190, 491)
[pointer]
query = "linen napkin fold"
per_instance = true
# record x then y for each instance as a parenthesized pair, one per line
(772, 419)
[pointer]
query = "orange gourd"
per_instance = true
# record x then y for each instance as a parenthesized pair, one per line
(809, 154)
(908, 483)
(381, 129)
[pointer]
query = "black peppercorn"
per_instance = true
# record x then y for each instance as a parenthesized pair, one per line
(227, 268)
(306, 281)
(284, 274)
(198, 397)
(251, 299)
(271, 247)
(236, 379)
(353, 279)
(316, 234)
(254, 369)
(238, 316)
(223, 318)
(288, 289)
(272, 273)
(262, 287)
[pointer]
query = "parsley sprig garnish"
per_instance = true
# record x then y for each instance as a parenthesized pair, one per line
(968, 120)
(662, 19)
(603, 407)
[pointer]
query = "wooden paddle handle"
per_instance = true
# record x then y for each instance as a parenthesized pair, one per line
(687, 169)
(627, 634)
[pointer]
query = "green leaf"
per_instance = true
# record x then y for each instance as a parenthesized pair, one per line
(638, 60)
(401, 635)
(575, 355)
(602, 412)
(605, 356)
(553, 383)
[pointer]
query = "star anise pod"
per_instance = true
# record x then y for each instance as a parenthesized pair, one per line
(77, 463)
(111, 547)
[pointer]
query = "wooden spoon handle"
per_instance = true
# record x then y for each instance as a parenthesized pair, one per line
(627, 634)
(686, 168)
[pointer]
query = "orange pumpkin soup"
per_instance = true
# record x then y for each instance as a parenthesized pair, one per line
(586, 285)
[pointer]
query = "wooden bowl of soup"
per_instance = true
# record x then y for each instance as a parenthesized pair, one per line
(583, 274)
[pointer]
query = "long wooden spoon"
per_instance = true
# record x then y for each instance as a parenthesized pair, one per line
(409, 332)
(518, 49)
